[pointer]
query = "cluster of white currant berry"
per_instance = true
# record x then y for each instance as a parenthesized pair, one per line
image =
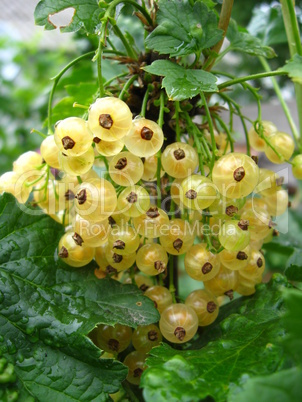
(113, 220)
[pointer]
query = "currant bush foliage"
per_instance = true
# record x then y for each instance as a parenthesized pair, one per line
(237, 345)
(47, 310)
(182, 83)
(86, 14)
(184, 28)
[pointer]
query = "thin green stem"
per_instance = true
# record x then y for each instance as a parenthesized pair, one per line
(259, 130)
(129, 392)
(39, 133)
(224, 19)
(115, 78)
(78, 105)
(56, 79)
(295, 46)
(221, 55)
(205, 146)
(249, 78)
(145, 101)
(72, 63)
(177, 126)
(291, 27)
(79, 179)
(35, 181)
(114, 3)
(130, 51)
(106, 163)
(200, 151)
(232, 104)
(160, 122)
(127, 86)
(171, 278)
(227, 131)
(111, 51)
(100, 50)
(281, 100)
(211, 128)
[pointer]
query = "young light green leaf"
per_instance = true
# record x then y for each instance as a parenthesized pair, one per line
(294, 68)
(242, 342)
(86, 14)
(284, 386)
(44, 302)
(181, 83)
(183, 28)
(244, 42)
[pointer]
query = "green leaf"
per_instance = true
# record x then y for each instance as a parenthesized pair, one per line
(86, 14)
(47, 309)
(244, 42)
(293, 269)
(244, 341)
(284, 386)
(267, 24)
(181, 83)
(289, 246)
(293, 68)
(183, 28)
(293, 323)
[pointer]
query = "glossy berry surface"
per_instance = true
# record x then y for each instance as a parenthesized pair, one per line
(161, 297)
(283, 144)
(95, 199)
(152, 223)
(73, 252)
(179, 160)
(197, 192)
(297, 166)
(133, 201)
(113, 339)
(126, 169)
(50, 151)
(234, 235)
(268, 128)
(200, 263)
(205, 306)
(123, 240)
(235, 175)
(145, 138)
(108, 148)
(152, 259)
(178, 237)
(76, 165)
(109, 119)
(178, 323)
(145, 337)
(73, 136)
(224, 283)
(135, 361)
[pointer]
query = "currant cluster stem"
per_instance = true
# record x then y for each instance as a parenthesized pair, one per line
(295, 47)
(224, 19)
(160, 122)
(211, 129)
(56, 80)
(281, 100)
